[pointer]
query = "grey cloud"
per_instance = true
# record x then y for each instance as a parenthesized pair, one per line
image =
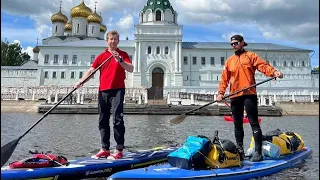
(26, 8)
(296, 20)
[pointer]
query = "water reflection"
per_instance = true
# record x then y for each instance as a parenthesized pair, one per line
(78, 136)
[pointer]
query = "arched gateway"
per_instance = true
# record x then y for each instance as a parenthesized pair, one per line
(156, 91)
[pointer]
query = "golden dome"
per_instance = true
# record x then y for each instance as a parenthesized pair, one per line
(36, 49)
(94, 17)
(81, 10)
(68, 26)
(59, 17)
(103, 28)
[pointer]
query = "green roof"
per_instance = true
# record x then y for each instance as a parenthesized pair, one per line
(158, 4)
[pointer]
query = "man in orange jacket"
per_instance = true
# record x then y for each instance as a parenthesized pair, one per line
(239, 70)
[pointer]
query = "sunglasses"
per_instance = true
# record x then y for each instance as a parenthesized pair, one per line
(234, 44)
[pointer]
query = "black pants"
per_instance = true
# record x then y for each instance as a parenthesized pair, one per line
(251, 105)
(108, 99)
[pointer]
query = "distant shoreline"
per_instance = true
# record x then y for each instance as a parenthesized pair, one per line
(288, 108)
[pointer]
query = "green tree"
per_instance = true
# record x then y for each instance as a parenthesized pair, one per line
(11, 54)
(316, 68)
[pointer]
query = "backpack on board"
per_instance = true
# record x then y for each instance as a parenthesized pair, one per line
(191, 155)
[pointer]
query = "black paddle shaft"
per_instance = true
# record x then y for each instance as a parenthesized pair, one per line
(254, 85)
(7, 150)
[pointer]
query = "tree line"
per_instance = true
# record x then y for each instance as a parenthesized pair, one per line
(12, 55)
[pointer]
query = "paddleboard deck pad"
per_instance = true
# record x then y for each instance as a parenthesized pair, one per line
(91, 168)
(246, 171)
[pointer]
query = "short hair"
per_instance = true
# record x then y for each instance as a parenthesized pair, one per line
(113, 32)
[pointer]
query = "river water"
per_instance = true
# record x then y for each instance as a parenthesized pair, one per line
(77, 135)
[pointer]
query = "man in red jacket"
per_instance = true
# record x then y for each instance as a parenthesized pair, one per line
(239, 70)
(111, 94)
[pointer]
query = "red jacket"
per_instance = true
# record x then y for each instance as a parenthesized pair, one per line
(112, 74)
(240, 71)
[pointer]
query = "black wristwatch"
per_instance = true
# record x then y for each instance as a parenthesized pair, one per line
(120, 60)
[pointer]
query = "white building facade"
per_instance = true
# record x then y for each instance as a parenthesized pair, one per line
(162, 61)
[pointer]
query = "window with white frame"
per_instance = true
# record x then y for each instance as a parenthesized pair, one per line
(65, 59)
(194, 60)
(62, 75)
(54, 74)
(72, 75)
(166, 50)
(46, 58)
(46, 74)
(212, 60)
(185, 60)
(55, 59)
(158, 50)
(92, 58)
(74, 59)
(149, 49)
(158, 15)
(203, 60)
(222, 60)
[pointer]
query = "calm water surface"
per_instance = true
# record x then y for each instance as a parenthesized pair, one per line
(77, 135)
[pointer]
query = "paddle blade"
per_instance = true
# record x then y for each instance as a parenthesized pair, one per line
(178, 119)
(7, 150)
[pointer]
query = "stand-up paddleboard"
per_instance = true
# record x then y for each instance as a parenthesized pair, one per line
(90, 167)
(246, 171)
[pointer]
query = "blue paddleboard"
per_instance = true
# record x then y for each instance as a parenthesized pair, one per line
(246, 171)
(90, 167)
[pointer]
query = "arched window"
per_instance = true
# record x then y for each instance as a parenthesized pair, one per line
(56, 28)
(78, 28)
(292, 63)
(92, 29)
(158, 15)
(158, 50)
(303, 64)
(274, 63)
(284, 63)
(149, 50)
(166, 50)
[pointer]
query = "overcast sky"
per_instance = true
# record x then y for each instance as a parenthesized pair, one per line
(287, 22)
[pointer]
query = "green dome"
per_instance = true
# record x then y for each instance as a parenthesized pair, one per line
(158, 4)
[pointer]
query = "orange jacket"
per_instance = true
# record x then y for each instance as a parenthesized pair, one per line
(240, 71)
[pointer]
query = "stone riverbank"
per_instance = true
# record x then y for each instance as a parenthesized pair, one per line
(283, 108)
